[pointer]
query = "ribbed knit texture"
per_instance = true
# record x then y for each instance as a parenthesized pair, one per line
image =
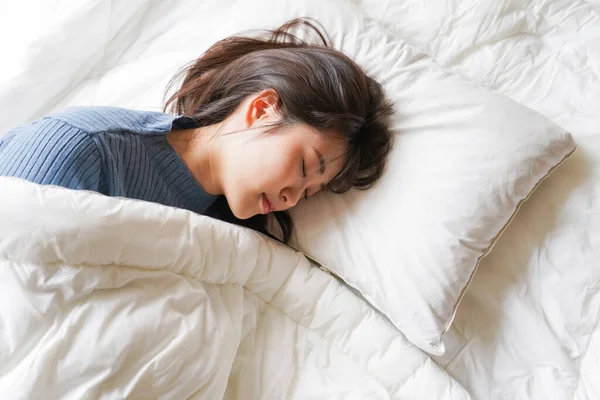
(114, 151)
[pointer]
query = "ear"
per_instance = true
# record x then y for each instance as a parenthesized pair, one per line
(262, 108)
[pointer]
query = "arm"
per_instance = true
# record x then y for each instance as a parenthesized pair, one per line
(51, 152)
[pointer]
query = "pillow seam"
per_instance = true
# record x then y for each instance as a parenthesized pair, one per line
(497, 237)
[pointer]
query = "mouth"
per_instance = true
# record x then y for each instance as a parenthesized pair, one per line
(267, 205)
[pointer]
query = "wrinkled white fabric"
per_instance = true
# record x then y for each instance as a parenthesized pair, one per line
(527, 327)
(112, 298)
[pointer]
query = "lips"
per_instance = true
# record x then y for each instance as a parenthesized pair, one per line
(267, 205)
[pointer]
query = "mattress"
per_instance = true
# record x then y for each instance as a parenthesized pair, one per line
(527, 327)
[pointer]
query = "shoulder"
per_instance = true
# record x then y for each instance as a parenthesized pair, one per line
(46, 131)
(50, 152)
(47, 135)
(96, 120)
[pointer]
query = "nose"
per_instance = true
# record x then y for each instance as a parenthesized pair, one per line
(290, 196)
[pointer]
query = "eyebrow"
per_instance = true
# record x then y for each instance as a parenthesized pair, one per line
(321, 161)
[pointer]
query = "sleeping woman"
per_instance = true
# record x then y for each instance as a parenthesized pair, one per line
(256, 125)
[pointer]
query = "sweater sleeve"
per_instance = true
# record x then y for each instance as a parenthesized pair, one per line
(52, 152)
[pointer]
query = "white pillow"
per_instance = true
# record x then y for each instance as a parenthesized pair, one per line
(463, 161)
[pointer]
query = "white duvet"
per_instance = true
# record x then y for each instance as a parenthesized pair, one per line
(112, 298)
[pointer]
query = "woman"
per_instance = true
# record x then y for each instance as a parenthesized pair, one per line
(263, 123)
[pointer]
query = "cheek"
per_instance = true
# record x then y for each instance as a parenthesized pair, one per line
(273, 164)
(243, 176)
(261, 166)
(234, 175)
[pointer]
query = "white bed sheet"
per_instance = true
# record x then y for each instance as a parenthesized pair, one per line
(528, 326)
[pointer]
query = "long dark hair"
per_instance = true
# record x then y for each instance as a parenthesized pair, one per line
(316, 85)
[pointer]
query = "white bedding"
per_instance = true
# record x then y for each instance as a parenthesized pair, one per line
(528, 326)
(112, 298)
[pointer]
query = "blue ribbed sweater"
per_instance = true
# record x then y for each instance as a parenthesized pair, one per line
(114, 151)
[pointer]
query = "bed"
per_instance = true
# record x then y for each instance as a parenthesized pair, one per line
(272, 325)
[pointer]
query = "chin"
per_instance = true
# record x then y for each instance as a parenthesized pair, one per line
(240, 204)
(240, 212)
(241, 215)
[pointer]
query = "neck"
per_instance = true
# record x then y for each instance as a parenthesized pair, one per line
(196, 148)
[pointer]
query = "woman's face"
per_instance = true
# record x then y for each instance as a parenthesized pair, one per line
(272, 171)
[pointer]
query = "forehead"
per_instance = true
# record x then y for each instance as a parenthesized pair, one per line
(328, 143)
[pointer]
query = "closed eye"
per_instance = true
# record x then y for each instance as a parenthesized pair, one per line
(305, 194)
